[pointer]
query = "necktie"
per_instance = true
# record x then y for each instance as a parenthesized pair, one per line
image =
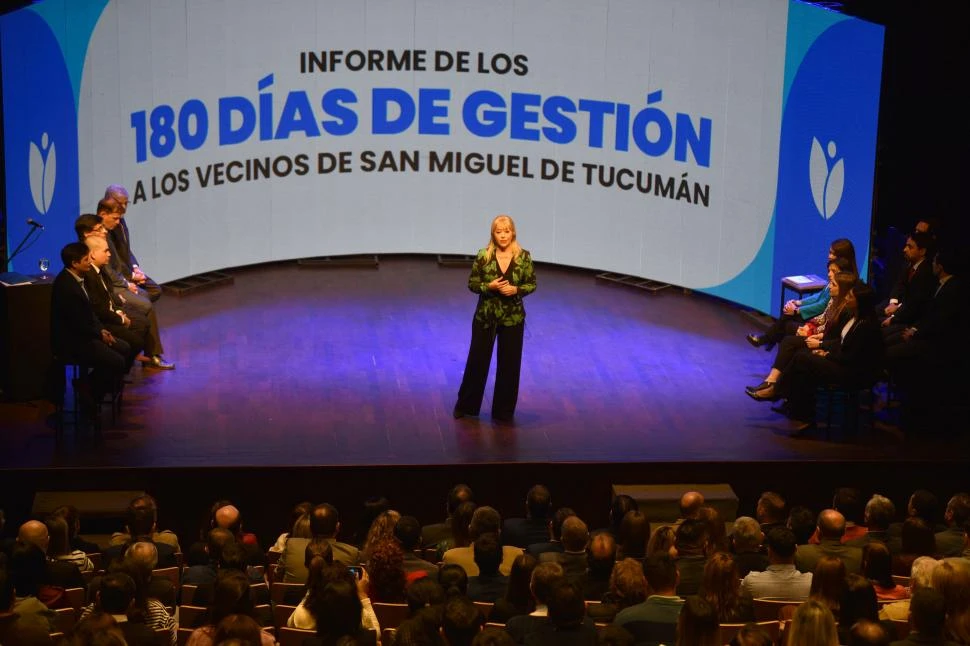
(912, 272)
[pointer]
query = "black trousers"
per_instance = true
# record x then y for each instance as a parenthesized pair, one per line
(141, 303)
(806, 373)
(107, 363)
(785, 325)
(508, 363)
(789, 347)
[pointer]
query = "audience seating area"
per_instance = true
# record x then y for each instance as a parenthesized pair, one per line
(840, 570)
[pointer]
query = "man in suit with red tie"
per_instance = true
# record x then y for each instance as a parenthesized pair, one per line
(78, 335)
(914, 289)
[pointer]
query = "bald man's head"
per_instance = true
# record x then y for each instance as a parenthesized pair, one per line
(228, 517)
(34, 532)
(831, 524)
(690, 504)
(143, 553)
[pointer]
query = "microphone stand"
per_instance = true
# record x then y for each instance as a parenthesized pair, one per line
(20, 247)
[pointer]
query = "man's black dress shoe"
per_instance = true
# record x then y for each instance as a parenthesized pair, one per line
(757, 340)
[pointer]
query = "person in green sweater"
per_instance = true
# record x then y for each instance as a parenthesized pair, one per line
(502, 275)
(796, 312)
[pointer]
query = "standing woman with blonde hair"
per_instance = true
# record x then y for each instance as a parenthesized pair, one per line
(501, 276)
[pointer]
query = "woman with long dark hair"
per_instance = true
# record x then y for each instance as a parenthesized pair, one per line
(820, 332)
(518, 598)
(634, 535)
(918, 539)
(338, 614)
(797, 312)
(59, 548)
(697, 624)
(459, 522)
(502, 275)
(877, 567)
(828, 583)
(721, 587)
(855, 363)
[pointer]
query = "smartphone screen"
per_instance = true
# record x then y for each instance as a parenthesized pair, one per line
(357, 571)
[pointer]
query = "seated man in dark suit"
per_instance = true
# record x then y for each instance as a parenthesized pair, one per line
(913, 290)
(534, 528)
(655, 620)
(575, 538)
(78, 335)
(206, 573)
(746, 544)
(435, 533)
(166, 536)
(554, 539)
(140, 525)
(950, 542)
(489, 585)
(878, 515)
(545, 577)
(567, 624)
(831, 528)
(407, 531)
(122, 242)
(599, 565)
(109, 211)
(58, 573)
(122, 321)
(691, 543)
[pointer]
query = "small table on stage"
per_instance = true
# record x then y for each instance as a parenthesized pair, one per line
(801, 285)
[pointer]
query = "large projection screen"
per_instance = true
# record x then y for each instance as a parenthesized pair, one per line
(715, 146)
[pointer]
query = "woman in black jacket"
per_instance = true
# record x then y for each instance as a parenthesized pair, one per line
(855, 362)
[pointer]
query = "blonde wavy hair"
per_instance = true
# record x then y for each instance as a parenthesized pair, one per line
(513, 246)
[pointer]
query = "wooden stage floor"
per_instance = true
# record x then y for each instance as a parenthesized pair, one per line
(357, 366)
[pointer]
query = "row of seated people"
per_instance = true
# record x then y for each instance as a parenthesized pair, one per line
(102, 304)
(647, 606)
(839, 335)
(608, 566)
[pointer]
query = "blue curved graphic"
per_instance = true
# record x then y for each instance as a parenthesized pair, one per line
(38, 100)
(838, 104)
(72, 24)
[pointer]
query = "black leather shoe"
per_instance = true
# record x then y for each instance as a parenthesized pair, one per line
(757, 340)
(158, 362)
(761, 386)
(768, 394)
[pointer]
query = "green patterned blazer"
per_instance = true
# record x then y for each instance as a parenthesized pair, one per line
(493, 308)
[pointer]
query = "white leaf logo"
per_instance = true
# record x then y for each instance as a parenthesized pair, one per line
(827, 183)
(43, 173)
